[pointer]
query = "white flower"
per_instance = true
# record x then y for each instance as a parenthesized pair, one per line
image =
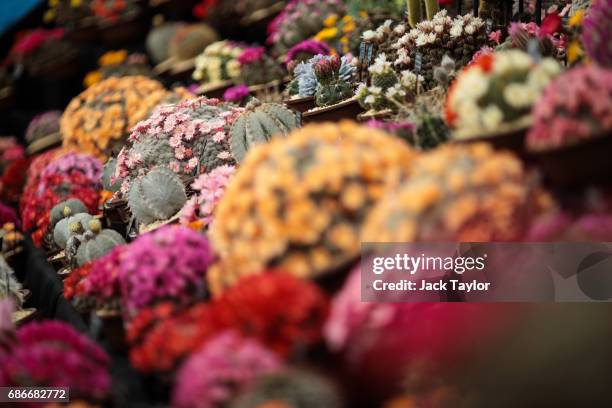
(456, 30)
(514, 95)
(439, 28)
(421, 40)
(400, 29)
(233, 68)
(472, 85)
(492, 117)
(550, 66)
(375, 90)
(431, 38)
(408, 79)
(369, 100)
(469, 29)
(368, 35)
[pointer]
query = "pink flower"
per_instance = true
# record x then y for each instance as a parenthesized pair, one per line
(218, 137)
(495, 36)
(251, 55)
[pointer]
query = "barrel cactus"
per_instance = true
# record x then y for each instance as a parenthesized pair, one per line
(332, 87)
(97, 242)
(258, 124)
(158, 41)
(298, 203)
(9, 284)
(189, 138)
(463, 193)
(156, 196)
(108, 174)
(69, 226)
(66, 209)
(190, 40)
(42, 125)
(596, 33)
(98, 120)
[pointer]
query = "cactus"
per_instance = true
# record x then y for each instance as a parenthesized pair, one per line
(415, 10)
(158, 41)
(431, 131)
(66, 209)
(332, 88)
(218, 63)
(194, 140)
(305, 80)
(190, 40)
(295, 388)
(43, 125)
(97, 242)
(298, 203)
(258, 68)
(156, 196)
(575, 107)
(456, 193)
(108, 174)
(9, 285)
(258, 124)
(69, 226)
(596, 33)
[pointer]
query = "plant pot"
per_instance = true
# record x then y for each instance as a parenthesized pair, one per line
(57, 259)
(374, 115)
(113, 330)
(172, 71)
(117, 215)
(579, 165)
(268, 92)
(214, 90)
(300, 105)
(348, 109)
(513, 141)
(125, 30)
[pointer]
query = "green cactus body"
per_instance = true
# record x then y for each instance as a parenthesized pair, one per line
(108, 172)
(385, 80)
(333, 93)
(258, 124)
(157, 196)
(431, 132)
(66, 209)
(97, 242)
(65, 228)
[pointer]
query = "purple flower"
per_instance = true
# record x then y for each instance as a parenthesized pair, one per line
(251, 55)
(236, 93)
(224, 366)
(310, 47)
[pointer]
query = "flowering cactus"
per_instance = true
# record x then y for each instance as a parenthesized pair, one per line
(258, 68)
(305, 81)
(189, 138)
(596, 33)
(575, 107)
(225, 365)
(169, 263)
(496, 93)
(42, 125)
(218, 62)
(325, 178)
(463, 193)
(99, 120)
(304, 51)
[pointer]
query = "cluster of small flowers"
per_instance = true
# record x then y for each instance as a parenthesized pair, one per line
(226, 364)
(87, 164)
(219, 62)
(53, 354)
(306, 49)
(209, 189)
(102, 282)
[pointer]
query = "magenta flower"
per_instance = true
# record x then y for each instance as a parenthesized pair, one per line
(251, 55)
(236, 93)
(309, 47)
(223, 367)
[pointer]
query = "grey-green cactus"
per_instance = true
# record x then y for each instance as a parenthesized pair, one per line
(415, 10)
(69, 226)
(191, 40)
(66, 209)
(75, 238)
(333, 93)
(9, 285)
(108, 173)
(156, 196)
(258, 124)
(97, 242)
(430, 132)
(158, 41)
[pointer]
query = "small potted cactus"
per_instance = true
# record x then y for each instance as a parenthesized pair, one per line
(97, 242)
(571, 136)
(43, 132)
(334, 94)
(261, 73)
(217, 67)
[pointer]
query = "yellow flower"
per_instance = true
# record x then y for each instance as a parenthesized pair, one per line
(113, 58)
(576, 19)
(75, 3)
(349, 26)
(574, 52)
(331, 20)
(92, 78)
(53, 3)
(326, 34)
(49, 16)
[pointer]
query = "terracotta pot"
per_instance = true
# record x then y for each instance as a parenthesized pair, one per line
(113, 330)
(579, 165)
(300, 105)
(348, 109)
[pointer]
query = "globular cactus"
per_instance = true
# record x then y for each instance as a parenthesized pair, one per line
(190, 40)
(305, 81)
(66, 209)
(108, 173)
(456, 193)
(256, 67)
(75, 238)
(189, 138)
(295, 388)
(156, 196)
(97, 242)
(9, 285)
(332, 88)
(415, 10)
(69, 226)
(575, 107)
(298, 203)
(431, 131)
(158, 41)
(43, 125)
(596, 33)
(258, 124)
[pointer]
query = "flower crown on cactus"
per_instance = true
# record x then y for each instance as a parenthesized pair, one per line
(495, 94)
(99, 120)
(218, 62)
(596, 33)
(86, 164)
(258, 68)
(575, 107)
(463, 193)
(9, 285)
(305, 81)
(114, 10)
(102, 284)
(43, 125)
(300, 20)
(318, 228)
(189, 138)
(304, 51)
(67, 12)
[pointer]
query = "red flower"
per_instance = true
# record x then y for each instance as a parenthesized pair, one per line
(551, 24)
(202, 9)
(73, 284)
